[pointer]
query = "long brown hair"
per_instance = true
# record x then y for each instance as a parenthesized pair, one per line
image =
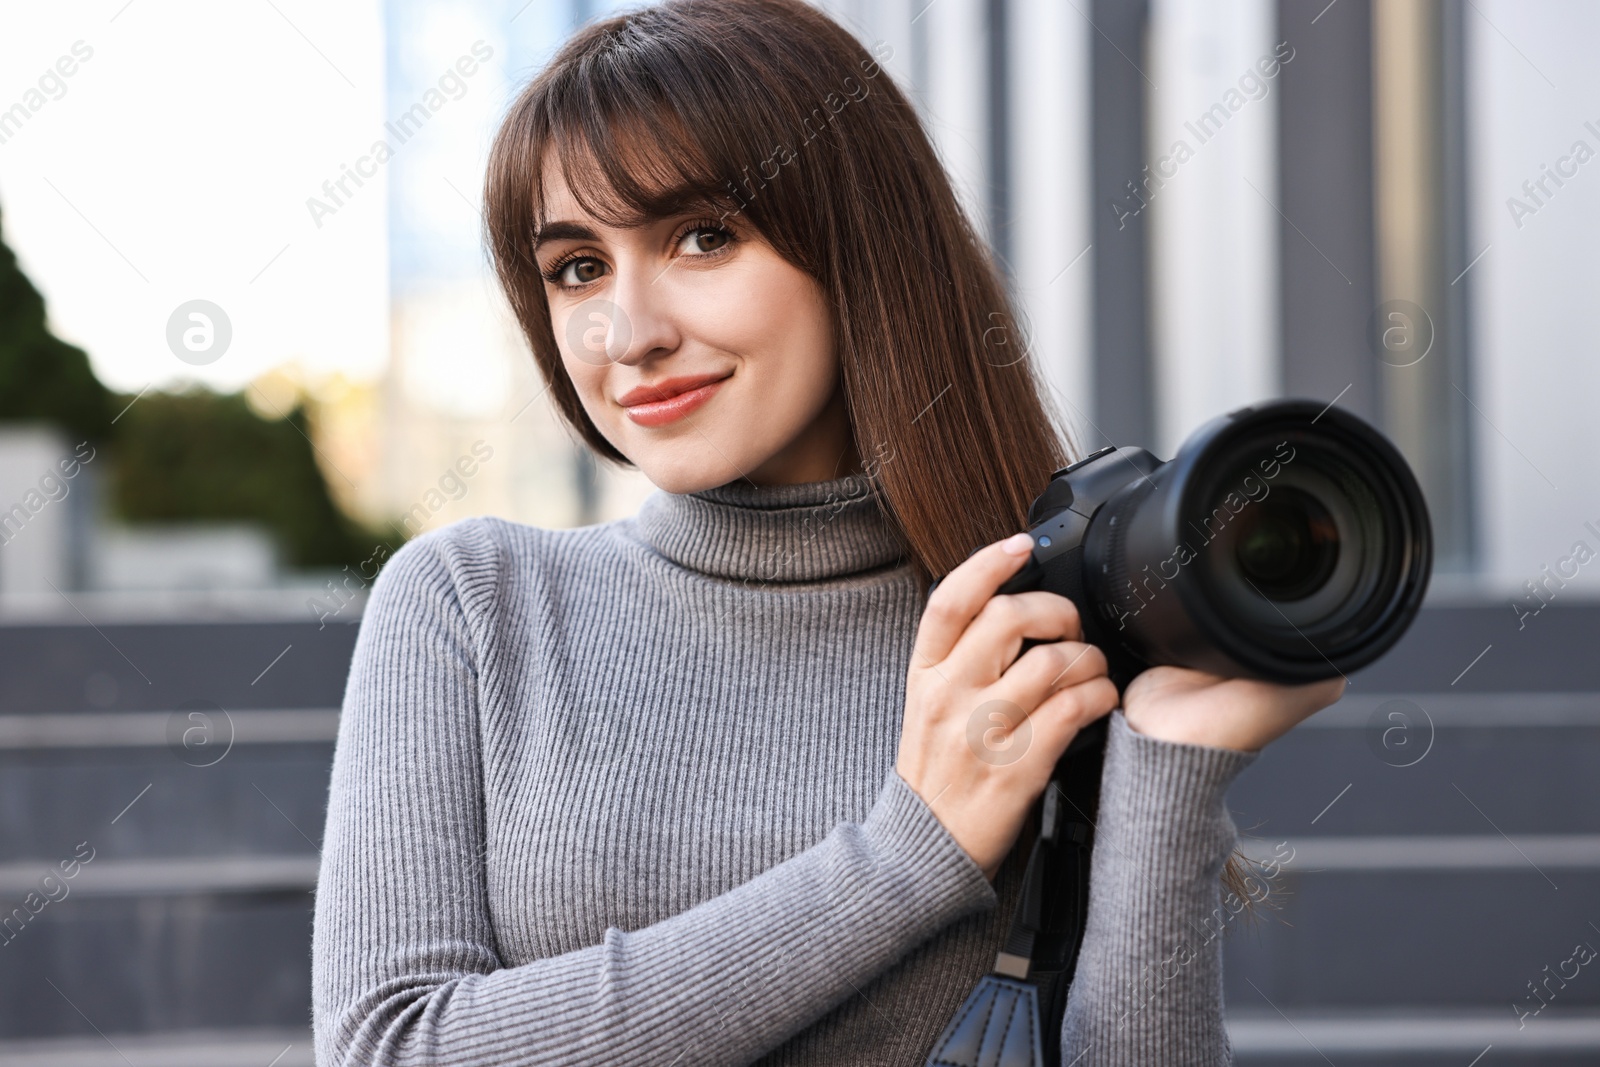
(769, 109)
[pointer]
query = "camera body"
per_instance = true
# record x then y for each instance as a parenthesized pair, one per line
(1286, 541)
(1059, 521)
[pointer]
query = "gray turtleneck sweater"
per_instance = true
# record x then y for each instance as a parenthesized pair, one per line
(626, 794)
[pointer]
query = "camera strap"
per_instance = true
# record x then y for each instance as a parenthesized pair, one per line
(1012, 1018)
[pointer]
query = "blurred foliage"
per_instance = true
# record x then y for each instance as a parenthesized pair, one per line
(201, 455)
(176, 457)
(42, 378)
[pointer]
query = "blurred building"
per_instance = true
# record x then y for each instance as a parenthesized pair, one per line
(1203, 203)
(460, 376)
(44, 525)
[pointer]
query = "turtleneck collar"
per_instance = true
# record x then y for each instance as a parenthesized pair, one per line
(773, 533)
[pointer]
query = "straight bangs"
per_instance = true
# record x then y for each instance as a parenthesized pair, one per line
(769, 111)
(626, 160)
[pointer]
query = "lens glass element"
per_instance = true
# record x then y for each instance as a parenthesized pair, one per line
(1287, 545)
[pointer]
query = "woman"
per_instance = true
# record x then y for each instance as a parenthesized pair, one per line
(721, 782)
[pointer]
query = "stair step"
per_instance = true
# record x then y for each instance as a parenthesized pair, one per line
(1428, 937)
(1438, 852)
(146, 666)
(171, 876)
(202, 1048)
(1449, 764)
(145, 801)
(160, 962)
(1262, 1035)
(156, 729)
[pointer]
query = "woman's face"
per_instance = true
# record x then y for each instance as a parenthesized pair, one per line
(697, 350)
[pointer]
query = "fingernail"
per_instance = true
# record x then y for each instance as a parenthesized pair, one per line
(1018, 544)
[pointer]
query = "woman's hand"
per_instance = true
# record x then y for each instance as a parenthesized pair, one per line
(982, 733)
(1196, 708)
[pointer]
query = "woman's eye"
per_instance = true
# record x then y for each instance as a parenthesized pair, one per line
(704, 239)
(580, 271)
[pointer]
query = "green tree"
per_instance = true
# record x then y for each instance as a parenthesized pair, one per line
(208, 456)
(176, 457)
(42, 378)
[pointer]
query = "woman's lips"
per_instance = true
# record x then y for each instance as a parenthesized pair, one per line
(661, 412)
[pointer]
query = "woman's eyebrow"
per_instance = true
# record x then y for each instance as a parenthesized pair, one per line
(682, 201)
(562, 231)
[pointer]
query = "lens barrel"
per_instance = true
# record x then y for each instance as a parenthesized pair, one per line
(1287, 542)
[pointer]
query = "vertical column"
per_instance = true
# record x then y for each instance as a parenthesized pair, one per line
(997, 41)
(1422, 398)
(1210, 188)
(957, 111)
(1462, 551)
(1325, 199)
(1050, 163)
(1122, 380)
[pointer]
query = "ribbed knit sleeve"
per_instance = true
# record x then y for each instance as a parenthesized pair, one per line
(1148, 987)
(405, 968)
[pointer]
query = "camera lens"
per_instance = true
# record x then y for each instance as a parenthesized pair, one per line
(1287, 546)
(1283, 542)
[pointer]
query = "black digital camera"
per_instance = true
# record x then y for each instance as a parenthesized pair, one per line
(1286, 541)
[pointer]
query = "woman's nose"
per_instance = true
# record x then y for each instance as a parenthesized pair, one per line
(639, 322)
(598, 332)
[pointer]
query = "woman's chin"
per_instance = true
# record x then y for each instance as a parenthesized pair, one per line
(688, 473)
